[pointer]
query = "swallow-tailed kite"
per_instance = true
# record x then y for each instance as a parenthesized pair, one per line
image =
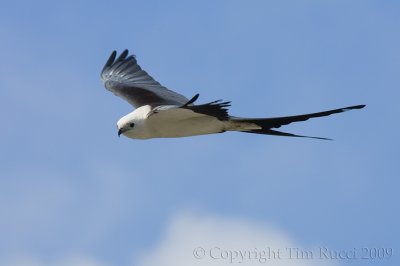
(163, 113)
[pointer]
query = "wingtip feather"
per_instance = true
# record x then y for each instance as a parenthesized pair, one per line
(123, 55)
(111, 59)
(192, 100)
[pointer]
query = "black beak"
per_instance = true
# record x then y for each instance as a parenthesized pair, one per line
(119, 132)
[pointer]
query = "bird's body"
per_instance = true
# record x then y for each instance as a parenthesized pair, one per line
(162, 113)
(176, 122)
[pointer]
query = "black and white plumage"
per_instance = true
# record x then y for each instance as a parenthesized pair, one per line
(163, 113)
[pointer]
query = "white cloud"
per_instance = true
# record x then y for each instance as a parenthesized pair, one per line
(196, 239)
(224, 241)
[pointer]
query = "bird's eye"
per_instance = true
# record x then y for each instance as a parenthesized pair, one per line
(132, 124)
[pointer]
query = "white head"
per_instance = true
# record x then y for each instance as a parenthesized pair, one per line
(127, 123)
(131, 124)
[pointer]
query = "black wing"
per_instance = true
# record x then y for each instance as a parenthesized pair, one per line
(217, 108)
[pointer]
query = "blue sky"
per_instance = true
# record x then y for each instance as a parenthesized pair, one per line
(70, 188)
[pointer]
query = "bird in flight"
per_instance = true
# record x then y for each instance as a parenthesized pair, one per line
(163, 113)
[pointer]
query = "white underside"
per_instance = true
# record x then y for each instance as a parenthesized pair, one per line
(179, 122)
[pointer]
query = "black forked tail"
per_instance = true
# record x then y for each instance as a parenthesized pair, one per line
(267, 124)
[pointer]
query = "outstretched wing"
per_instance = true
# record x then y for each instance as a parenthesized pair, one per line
(126, 79)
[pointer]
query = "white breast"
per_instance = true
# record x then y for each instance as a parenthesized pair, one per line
(177, 122)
